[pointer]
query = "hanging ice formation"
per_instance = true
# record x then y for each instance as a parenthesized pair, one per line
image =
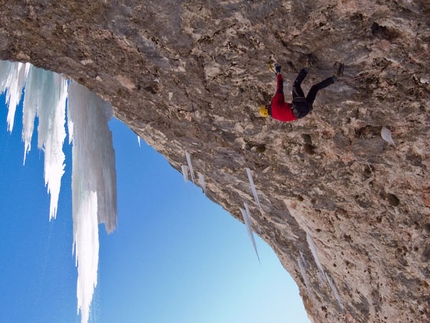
(334, 290)
(322, 275)
(93, 185)
(202, 182)
(13, 77)
(190, 166)
(315, 254)
(184, 169)
(45, 96)
(254, 190)
(386, 135)
(303, 272)
(93, 173)
(247, 219)
(303, 260)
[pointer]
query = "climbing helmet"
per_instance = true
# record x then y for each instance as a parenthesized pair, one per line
(264, 111)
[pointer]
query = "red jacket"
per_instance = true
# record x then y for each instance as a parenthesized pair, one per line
(281, 110)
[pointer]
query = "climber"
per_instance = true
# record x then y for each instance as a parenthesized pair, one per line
(301, 105)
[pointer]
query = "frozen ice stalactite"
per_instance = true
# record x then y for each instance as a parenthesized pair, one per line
(315, 254)
(303, 260)
(13, 76)
(303, 272)
(45, 95)
(253, 189)
(94, 178)
(86, 247)
(322, 275)
(93, 153)
(93, 185)
(202, 182)
(190, 166)
(334, 290)
(386, 135)
(31, 102)
(184, 169)
(247, 219)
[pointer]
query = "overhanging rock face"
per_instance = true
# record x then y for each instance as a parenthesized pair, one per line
(347, 213)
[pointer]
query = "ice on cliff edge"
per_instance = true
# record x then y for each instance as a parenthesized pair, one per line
(93, 170)
(93, 185)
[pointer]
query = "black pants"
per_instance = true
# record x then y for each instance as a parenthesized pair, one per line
(303, 105)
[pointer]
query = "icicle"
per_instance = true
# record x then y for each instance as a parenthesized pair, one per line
(190, 166)
(48, 91)
(13, 85)
(254, 191)
(202, 183)
(335, 292)
(303, 260)
(94, 177)
(69, 123)
(90, 115)
(247, 219)
(386, 135)
(45, 94)
(93, 184)
(86, 248)
(138, 140)
(314, 253)
(31, 101)
(321, 277)
(304, 276)
(185, 173)
(5, 72)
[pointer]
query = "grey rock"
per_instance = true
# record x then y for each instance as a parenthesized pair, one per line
(189, 76)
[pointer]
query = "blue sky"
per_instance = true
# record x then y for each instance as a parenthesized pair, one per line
(174, 257)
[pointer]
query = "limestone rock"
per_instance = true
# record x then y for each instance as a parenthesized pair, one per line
(189, 76)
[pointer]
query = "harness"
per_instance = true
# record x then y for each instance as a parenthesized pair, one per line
(300, 107)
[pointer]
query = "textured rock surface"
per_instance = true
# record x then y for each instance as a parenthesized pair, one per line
(189, 75)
